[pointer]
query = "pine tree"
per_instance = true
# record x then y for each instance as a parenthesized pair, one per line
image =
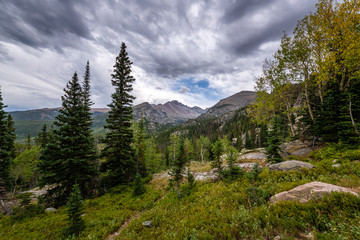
(87, 122)
(141, 147)
(190, 178)
(75, 209)
(263, 135)
(231, 158)
(139, 187)
(11, 136)
(274, 141)
(218, 150)
(86, 89)
(178, 167)
(5, 142)
(119, 163)
(69, 157)
(44, 137)
(28, 142)
(247, 141)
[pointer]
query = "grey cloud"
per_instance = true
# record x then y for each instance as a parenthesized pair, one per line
(244, 38)
(4, 54)
(241, 8)
(42, 23)
(165, 39)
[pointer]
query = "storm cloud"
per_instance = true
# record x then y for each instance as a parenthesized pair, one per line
(43, 42)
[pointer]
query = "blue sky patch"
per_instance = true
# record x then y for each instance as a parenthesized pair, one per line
(192, 86)
(203, 84)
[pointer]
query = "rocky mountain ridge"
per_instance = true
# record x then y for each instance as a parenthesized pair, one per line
(169, 113)
(230, 104)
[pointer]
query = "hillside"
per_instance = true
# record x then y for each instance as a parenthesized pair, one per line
(230, 104)
(213, 209)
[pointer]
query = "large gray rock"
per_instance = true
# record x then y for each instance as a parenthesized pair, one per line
(295, 145)
(256, 154)
(50, 209)
(313, 190)
(206, 176)
(290, 165)
(301, 152)
(246, 166)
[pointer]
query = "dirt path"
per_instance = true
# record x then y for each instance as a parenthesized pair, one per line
(133, 217)
(124, 225)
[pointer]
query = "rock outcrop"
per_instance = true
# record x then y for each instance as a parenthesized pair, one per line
(297, 148)
(247, 166)
(290, 165)
(313, 190)
(256, 154)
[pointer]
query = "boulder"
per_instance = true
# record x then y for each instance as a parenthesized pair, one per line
(50, 209)
(290, 165)
(313, 190)
(206, 176)
(302, 152)
(246, 166)
(253, 156)
(295, 145)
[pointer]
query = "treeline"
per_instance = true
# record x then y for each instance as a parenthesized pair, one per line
(312, 83)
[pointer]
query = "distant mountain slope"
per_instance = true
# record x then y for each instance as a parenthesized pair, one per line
(169, 113)
(156, 116)
(44, 114)
(230, 104)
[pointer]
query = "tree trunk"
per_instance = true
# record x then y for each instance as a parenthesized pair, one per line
(352, 119)
(15, 185)
(288, 114)
(202, 153)
(320, 93)
(308, 101)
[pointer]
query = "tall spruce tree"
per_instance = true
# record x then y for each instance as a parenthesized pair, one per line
(5, 143)
(274, 140)
(69, 156)
(11, 136)
(119, 163)
(218, 150)
(141, 148)
(43, 136)
(87, 122)
(28, 142)
(178, 168)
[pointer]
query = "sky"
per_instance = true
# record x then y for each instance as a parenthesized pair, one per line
(193, 51)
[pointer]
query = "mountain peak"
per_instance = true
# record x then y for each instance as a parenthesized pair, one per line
(230, 104)
(173, 112)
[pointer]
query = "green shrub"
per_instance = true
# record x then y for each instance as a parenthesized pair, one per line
(28, 211)
(257, 196)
